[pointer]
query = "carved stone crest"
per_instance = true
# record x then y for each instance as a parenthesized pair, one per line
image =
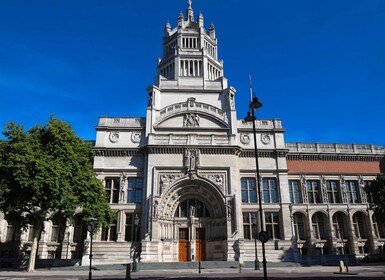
(265, 139)
(114, 136)
(245, 138)
(135, 137)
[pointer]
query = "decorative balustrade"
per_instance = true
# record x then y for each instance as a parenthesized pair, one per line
(122, 122)
(191, 105)
(335, 148)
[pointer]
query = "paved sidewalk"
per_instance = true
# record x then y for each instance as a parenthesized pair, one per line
(119, 272)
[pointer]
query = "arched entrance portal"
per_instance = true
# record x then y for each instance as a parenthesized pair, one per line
(197, 216)
(192, 213)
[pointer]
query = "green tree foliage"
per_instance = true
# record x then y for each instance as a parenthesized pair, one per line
(45, 171)
(376, 195)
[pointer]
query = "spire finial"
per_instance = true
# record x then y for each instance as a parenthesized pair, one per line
(190, 12)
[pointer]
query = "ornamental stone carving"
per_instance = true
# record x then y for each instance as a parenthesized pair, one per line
(266, 139)
(218, 179)
(191, 120)
(245, 138)
(114, 136)
(135, 137)
(166, 180)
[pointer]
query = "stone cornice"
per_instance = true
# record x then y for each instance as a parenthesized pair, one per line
(263, 153)
(228, 150)
(116, 152)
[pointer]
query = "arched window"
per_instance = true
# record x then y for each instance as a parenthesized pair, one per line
(192, 207)
(339, 225)
(318, 226)
(299, 226)
(359, 225)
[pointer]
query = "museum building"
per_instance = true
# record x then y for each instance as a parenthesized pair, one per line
(183, 179)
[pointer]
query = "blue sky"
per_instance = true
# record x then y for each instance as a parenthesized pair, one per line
(317, 65)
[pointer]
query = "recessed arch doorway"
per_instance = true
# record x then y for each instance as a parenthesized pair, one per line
(198, 218)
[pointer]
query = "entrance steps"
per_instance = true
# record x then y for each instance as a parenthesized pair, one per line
(111, 253)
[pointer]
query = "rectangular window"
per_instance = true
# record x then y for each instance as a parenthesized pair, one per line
(80, 228)
(295, 195)
(313, 192)
(134, 190)
(352, 191)
(270, 193)
(132, 232)
(333, 191)
(10, 236)
(272, 225)
(109, 234)
(249, 191)
(112, 186)
(249, 229)
(31, 231)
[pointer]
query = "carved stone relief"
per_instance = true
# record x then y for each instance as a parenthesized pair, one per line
(114, 136)
(266, 139)
(135, 137)
(245, 138)
(167, 179)
(191, 120)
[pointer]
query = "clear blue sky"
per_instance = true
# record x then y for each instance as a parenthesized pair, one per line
(318, 65)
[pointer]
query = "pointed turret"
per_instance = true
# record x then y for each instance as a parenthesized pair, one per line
(200, 20)
(190, 51)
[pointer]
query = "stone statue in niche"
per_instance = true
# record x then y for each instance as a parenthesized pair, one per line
(192, 159)
(192, 211)
(343, 189)
(155, 210)
(123, 178)
(325, 196)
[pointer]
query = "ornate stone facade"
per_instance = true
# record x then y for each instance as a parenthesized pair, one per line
(183, 179)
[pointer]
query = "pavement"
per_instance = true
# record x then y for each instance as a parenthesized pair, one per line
(190, 271)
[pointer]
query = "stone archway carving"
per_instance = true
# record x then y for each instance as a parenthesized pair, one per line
(200, 188)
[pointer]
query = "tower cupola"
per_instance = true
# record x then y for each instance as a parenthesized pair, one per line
(189, 51)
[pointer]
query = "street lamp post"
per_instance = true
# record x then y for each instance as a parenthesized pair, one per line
(91, 225)
(263, 236)
(136, 224)
(256, 261)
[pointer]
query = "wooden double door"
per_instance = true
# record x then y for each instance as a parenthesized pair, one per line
(184, 245)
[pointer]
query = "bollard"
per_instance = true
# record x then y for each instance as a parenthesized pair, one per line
(128, 271)
(342, 266)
